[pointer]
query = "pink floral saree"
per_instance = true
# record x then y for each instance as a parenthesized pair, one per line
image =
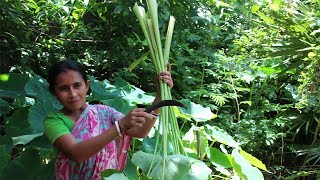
(94, 120)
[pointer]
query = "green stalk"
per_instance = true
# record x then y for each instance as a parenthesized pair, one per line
(168, 126)
(167, 44)
(153, 14)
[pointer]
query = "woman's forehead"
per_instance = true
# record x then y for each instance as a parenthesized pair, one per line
(69, 76)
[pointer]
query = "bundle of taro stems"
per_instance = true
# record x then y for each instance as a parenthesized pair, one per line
(168, 126)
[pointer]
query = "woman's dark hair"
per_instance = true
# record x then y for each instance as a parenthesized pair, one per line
(63, 66)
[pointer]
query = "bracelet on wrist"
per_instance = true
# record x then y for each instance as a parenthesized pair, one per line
(118, 128)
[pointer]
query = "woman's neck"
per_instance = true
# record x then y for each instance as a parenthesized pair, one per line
(73, 114)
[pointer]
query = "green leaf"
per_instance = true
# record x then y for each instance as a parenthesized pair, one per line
(149, 145)
(221, 136)
(131, 93)
(195, 111)
(144, 160)
(274, 7)
(130, 170)
(113, 174)
(103, 90)
(17, 124)
(218, 157)
(253, 160)
(119, 104)
(12, 85)
(265, 18)
(4, 107)
(5, 151)
(39, 111)
(255, 8)
(25, 139)
(243, 168)
(27, 165)
(176, 167)
(38, 88)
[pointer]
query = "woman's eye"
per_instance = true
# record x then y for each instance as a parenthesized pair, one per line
(63, 89)
(77, 85)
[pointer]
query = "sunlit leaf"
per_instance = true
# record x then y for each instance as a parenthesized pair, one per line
(255, 8)
(243, 167)
(274, 7)
(195, 111)
(253, 160)
(221, 136)
(311, 54)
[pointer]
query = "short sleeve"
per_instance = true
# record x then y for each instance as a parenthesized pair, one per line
(116, 115)
(54, 128)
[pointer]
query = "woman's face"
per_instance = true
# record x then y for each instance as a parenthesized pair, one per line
(71, 90)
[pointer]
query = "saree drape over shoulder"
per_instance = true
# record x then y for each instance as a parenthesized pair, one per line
(94, 120)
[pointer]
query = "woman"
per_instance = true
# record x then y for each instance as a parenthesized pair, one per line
(90, 138)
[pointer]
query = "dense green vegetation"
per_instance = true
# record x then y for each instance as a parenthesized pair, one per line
(250, 67)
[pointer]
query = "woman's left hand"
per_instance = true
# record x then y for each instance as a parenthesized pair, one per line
(165, 76)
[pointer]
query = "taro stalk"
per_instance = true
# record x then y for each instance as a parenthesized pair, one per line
(168, 125)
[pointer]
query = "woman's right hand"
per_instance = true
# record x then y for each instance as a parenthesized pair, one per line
(137, 123)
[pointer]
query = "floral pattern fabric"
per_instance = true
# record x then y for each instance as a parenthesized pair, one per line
(94, 120)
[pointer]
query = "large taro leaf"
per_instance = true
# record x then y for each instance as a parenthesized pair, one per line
(131, 93)
(38, 88)
(176, 167)
(12, 85)
(112, 174)
(39, 111)
(103, 90)
(17, 124)
(149, 145)
(5, 151)
(144, 160)
(130, 170)
(119, 104)
(4, 107)
(25, 139)
(195, 111)
(243, 167)
(221, 136)
(28, 166)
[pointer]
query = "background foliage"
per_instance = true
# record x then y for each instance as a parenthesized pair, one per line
(255, 64)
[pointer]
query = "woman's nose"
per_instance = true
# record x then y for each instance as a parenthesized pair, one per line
(72, 92)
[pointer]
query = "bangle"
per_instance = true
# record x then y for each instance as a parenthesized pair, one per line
(118, 128)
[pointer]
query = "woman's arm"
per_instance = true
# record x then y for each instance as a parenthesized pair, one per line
(81, 151)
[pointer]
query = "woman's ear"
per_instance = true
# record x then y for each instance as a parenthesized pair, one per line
(88, 85)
